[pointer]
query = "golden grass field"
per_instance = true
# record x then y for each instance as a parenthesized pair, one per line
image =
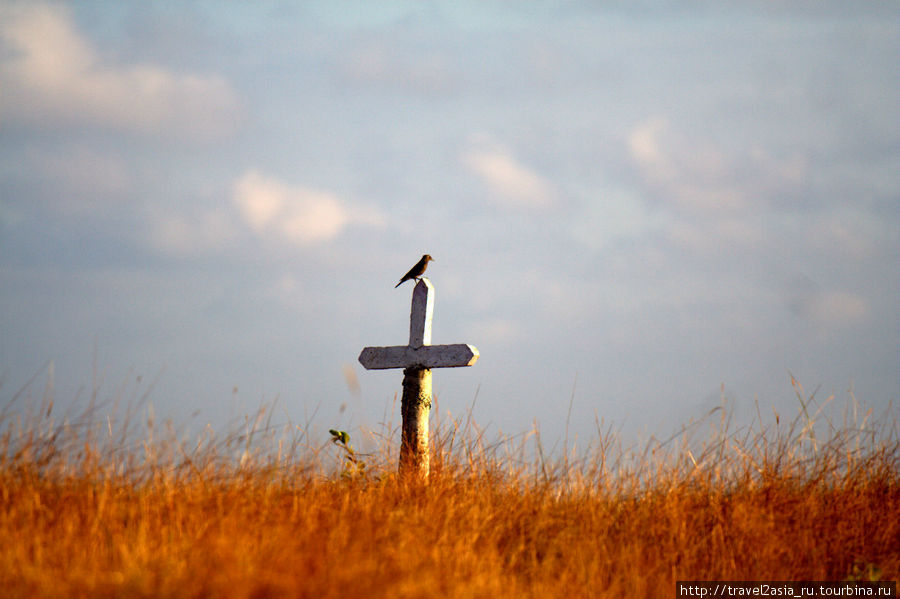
(88, 511)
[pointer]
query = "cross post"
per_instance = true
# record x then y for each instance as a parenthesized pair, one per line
(417, 359)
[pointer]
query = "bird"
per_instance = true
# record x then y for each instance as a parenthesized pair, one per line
(416, 271)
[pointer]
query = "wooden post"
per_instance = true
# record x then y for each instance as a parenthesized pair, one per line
(417, 359)
(415, 406)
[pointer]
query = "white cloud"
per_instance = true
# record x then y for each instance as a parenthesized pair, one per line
(644, 144)
(509, 181)
(695, 175)
(298, 215)
(51, 74)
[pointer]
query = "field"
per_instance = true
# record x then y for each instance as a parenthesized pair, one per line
(91, 508)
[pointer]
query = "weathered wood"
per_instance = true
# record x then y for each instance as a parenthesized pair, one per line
(417, 359)
(427, 356)
(415, 407)
(421, 314)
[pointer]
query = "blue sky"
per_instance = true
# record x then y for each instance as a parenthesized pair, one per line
(638, 206)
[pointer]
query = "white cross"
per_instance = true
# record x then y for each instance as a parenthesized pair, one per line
(417, 359)
(419, 353)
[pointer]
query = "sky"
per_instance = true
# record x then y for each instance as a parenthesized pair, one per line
(637, 210)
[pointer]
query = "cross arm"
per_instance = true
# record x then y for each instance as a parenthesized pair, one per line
(426, 356)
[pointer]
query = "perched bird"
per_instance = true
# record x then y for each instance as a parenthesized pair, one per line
(416, 271)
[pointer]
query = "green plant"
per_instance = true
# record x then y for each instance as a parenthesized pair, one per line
(353, 466)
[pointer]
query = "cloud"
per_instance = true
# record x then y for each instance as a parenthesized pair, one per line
(695, 175)
(644, 144)
(298, 215)
(50, 73)
(510, 182)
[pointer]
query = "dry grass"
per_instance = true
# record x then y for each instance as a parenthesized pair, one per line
(88, 512)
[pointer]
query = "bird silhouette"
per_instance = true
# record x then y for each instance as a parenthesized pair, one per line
(416, 271)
